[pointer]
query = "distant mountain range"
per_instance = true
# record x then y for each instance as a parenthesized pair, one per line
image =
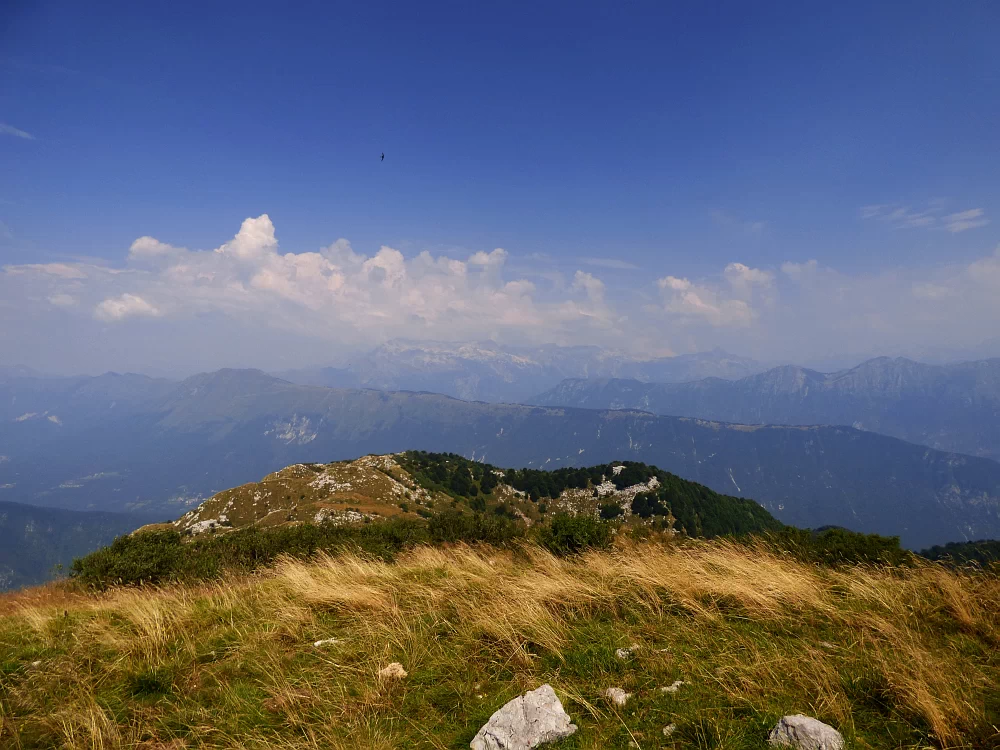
(133, 443)
(33, 541)
(947, 407)
(486, 371)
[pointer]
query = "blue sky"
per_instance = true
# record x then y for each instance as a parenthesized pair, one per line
(630, 143)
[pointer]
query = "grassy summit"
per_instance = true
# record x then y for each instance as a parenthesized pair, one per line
(382, 505)
(893, 657)
(419, 484)
(270, 626)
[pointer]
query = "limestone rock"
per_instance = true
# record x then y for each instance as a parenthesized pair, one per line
(617, 696)
(669, 729)
(673, 687)
(394, 671)
(530, 720)
(805, 733)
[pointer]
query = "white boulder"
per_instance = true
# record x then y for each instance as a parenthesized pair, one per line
(805, 733)
(530, 720)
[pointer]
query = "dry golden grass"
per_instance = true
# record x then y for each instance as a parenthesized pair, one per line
(894, 658)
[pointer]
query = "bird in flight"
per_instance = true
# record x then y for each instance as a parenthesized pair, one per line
(383, 156)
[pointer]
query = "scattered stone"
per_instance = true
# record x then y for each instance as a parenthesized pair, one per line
(669, 729)
(805, 733)
(394, 671)
(827, 645)
(617, 696)
(324, 642)
(36, 664)
(533, 719)
(627, 653)
(673, 687)
(210, 524)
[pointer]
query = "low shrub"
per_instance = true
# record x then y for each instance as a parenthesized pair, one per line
(984, 553)
(453, 526)
(567, 535)
(838, 546)
(611, 511)
(161, 556)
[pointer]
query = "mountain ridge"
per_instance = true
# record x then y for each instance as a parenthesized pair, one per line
(947, 407)
(487, 371)
(185, 447)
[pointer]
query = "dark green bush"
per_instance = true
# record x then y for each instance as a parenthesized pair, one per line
(567, 535)
(610, 511)
(647, 504)
(144, 558)
(161, 556)
(837, 546)
(493, 529)
(985, 553)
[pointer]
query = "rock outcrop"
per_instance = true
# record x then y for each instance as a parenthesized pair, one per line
(533, 719)
(805, 733)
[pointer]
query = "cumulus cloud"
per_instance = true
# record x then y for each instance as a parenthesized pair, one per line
(593, 286)
(148, 247)
(334, 294)
(247, 302)
(729, 303)
(254, 241)
(125, 306)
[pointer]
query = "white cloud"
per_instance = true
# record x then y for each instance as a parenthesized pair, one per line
(744, 279)
(903, 217)
(249, 303)
(963, 220)
(61, 270)
(254, 241)
(62, 300)
(9, 130)
(148, 247)
(334, 294)
(593, 286)
(730, 303)
(124, 306)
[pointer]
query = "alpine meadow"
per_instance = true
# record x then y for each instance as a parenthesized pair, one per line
(503, 377)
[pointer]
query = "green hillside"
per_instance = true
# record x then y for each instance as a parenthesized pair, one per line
(382, 505)
(669, 502)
